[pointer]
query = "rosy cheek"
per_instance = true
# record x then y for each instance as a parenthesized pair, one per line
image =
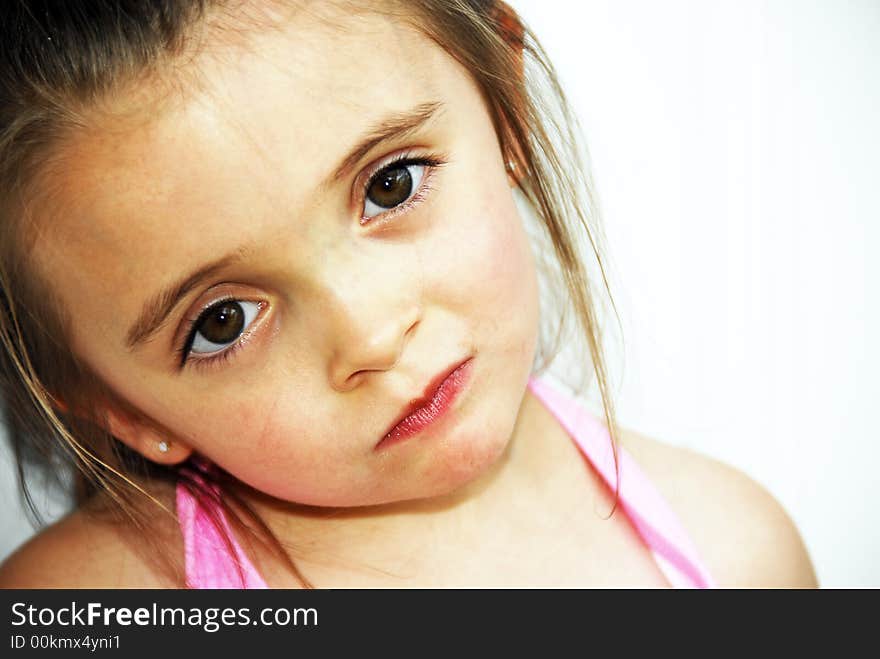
(280, 432)
(288, 443)
(504, 271)
(474, 254)
(243, 433)
(505, 258)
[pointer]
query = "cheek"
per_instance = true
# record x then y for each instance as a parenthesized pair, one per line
(491, 272)
(285, 448)
(295, 449)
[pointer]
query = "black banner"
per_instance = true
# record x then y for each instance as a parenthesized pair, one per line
(131, 622)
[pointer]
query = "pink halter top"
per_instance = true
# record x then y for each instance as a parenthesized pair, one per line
(209, 564)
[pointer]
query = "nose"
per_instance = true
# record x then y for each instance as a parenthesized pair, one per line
(368, 326)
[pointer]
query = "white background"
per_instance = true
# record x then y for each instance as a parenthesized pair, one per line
(735, 148)
(736, 152)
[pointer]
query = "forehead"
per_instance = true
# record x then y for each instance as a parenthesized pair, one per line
(290, 97)
(261, 127)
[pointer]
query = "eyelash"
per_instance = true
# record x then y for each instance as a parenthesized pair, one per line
(431, 161)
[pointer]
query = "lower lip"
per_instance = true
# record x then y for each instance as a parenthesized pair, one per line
(436, 408)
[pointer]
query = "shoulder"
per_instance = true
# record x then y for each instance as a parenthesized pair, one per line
(82, 551)
(744, 536)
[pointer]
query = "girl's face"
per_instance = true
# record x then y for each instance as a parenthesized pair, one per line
(345, 284)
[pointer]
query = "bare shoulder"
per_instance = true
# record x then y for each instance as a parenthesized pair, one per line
(82, 551)
(743, 534)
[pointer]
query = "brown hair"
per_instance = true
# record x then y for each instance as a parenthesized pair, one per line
(62, 60)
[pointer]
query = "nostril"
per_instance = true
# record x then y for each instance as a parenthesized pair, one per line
(355, 379)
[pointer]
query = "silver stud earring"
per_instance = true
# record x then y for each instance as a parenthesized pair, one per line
(510, 165)
(163, 446)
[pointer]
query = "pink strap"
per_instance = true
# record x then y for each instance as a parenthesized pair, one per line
(651, 515)
(207, 561)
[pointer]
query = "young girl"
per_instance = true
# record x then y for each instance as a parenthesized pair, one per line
(268, 290)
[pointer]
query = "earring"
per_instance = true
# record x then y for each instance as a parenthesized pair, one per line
(163, 446)
(510, 166)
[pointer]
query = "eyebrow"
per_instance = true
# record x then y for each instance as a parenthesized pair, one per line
(156, 310)
(397, 125)
(158, 307)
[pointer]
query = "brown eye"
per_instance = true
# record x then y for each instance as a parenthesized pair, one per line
(393, 186)
(390, 187)
(222, 324)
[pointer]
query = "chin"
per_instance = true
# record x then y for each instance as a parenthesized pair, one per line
(464, 459)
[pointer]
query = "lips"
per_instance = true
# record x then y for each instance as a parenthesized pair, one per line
(422, 411)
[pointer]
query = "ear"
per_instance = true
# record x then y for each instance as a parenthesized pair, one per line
(142, 436)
